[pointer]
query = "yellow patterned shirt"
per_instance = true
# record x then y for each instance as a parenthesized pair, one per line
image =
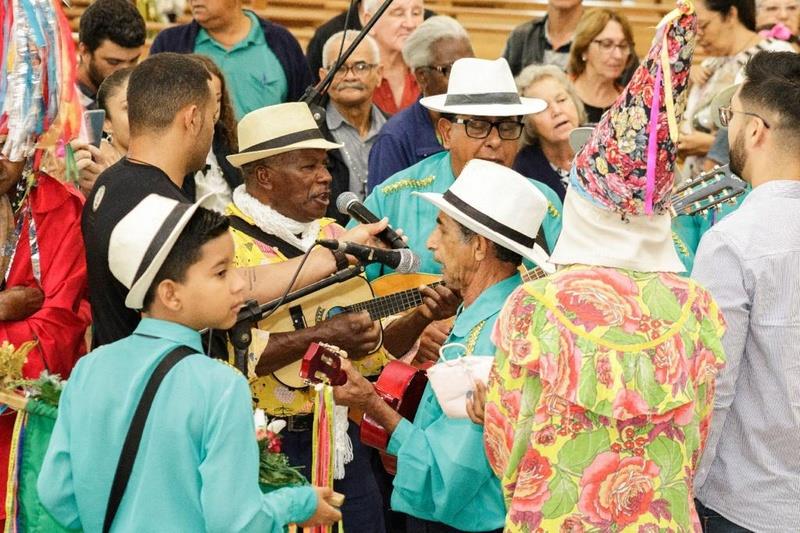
(600, 399)
(269, 394)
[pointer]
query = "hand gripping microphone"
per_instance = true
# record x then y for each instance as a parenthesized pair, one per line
(402, 261)
(348, 204)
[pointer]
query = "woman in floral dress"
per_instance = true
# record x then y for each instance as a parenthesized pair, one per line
(603, 385)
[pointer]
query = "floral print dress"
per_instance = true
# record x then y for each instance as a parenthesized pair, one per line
(600, 400)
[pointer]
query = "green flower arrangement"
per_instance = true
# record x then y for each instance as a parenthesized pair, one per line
(274, 470)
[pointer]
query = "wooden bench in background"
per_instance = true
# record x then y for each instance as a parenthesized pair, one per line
(488, 22)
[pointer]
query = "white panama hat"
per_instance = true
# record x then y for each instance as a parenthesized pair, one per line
(482, 87)
(510, 218)
(277, 129)
(142, 240)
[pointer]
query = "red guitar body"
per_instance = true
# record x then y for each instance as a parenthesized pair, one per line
(401, 386)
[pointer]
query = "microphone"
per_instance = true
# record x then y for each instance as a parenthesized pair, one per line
(402, 261)
(348, 204)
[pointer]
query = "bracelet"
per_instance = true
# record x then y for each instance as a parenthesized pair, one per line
(341, 260)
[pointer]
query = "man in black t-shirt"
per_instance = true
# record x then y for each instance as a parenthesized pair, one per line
(171, 111)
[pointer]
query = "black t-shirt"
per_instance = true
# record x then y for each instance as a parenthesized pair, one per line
(117, 191)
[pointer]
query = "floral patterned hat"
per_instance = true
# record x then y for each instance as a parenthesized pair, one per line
(627, 164)
(615, 210)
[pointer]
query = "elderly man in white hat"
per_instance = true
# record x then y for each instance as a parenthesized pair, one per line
(443, 479)
(481, 119)
(278, 214)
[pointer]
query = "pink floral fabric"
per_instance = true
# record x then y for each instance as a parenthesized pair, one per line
(611, 168)
(600, 399)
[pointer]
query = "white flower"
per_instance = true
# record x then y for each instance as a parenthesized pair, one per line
(276, 426)
(260, 419)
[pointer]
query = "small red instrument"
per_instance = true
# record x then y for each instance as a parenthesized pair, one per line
(401, 386)
(321, 364)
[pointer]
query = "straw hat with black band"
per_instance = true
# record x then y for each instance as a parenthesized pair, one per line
(277, 129)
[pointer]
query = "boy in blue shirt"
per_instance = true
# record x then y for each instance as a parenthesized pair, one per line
(197, 464)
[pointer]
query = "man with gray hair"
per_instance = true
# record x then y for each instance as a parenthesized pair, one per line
(351, 119)
(410, 136)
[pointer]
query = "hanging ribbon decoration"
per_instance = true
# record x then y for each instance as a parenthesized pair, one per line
(322, 445)
(685, 7)
(40, 105)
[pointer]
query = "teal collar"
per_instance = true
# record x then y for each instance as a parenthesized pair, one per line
(485, 306)
(254, 36)
(170, 331)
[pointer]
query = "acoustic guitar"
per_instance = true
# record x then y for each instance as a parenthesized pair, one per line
(353, 295)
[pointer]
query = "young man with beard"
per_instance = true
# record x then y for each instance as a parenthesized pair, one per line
(750, 263)
(111, 38)
(603, 386)
(171, 116)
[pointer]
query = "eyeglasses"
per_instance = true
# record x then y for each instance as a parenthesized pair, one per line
(508, 130)
(444, 70)
(726, 114)
(359, 68)
(607, 45)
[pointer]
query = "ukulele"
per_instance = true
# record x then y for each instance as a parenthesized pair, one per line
(351, 296)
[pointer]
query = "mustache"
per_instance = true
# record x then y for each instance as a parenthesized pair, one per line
(350, 85)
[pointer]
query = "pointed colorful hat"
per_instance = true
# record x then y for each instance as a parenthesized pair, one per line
(615, 210)
(627, 164)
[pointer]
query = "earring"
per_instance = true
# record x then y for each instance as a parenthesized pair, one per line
(583, 58)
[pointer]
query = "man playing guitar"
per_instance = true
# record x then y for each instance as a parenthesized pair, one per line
(443, 479)
(277, 214)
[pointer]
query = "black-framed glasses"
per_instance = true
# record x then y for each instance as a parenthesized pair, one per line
(477, 128)
(726, 114)
(444, 70)
(607, 46)
(359, 68)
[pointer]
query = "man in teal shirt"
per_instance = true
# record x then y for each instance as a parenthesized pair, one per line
(443, 479)
(262, 62)
(481, 119)
(198, 461)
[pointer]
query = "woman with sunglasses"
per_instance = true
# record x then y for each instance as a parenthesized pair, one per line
(601, 51)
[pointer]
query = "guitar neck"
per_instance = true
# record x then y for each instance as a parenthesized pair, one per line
(392, 304)
(533, 274)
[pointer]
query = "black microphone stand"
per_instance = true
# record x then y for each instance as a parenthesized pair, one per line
(313, 95)
(241, 335)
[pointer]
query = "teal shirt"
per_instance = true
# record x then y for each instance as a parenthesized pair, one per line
(197, 466)
(442, 471)
(417, 217)
(253, 74)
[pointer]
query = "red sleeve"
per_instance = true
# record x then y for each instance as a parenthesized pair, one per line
(60, 325)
